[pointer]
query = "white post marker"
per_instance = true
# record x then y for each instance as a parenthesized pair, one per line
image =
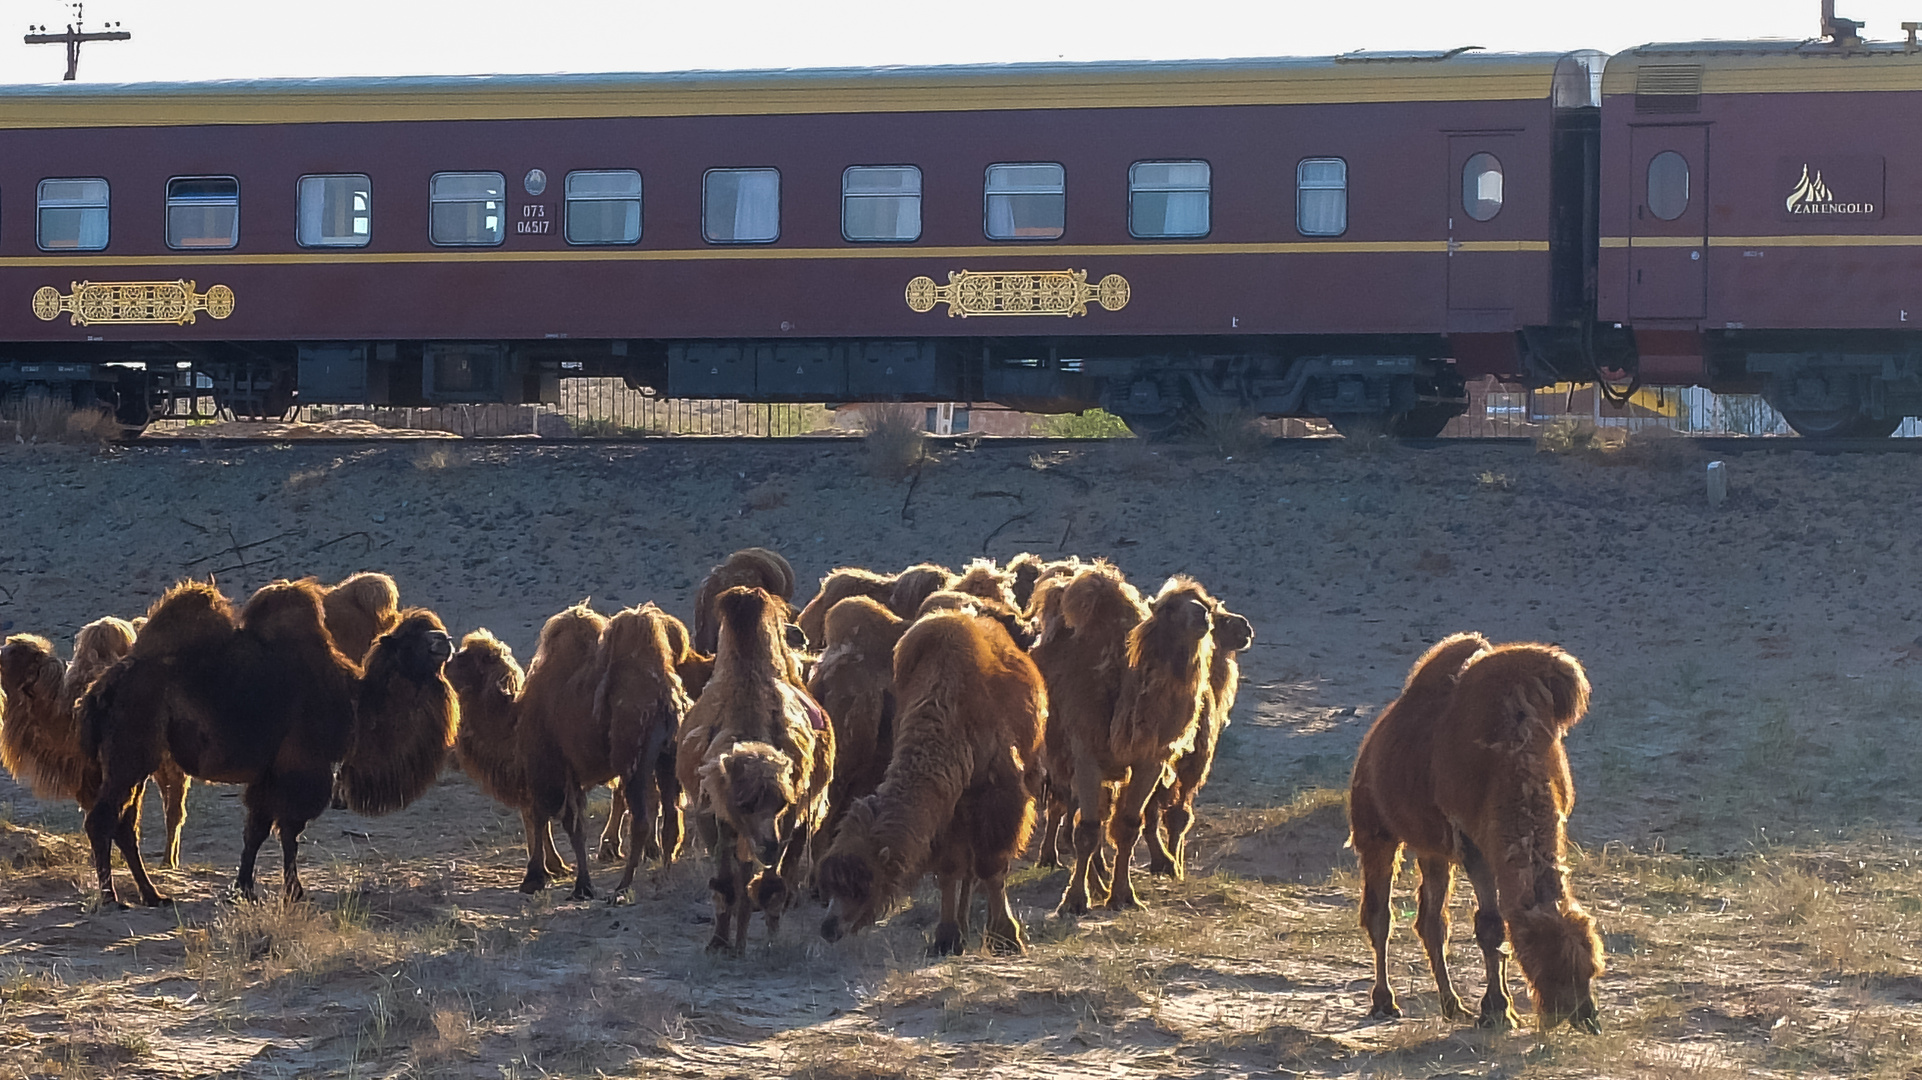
(1717, 483)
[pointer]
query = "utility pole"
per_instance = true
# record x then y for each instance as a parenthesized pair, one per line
(76, 33)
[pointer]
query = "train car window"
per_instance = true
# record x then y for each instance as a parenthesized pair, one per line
(1482, 186)
(881, 202)
(203, 212)
(1026, 202)
(335, 211)
(72, 215)
(603, 206)
(1168, 198)
(741, 206)
(466, 208)
(1668, 185)
(1321, 197)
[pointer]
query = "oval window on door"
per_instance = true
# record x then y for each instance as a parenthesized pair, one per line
(1668, 185)
(1482, 187)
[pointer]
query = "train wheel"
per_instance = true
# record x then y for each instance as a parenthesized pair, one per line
(1158, 427)
(1840, 424)
(1426, 422)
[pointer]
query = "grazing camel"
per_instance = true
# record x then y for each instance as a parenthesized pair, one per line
(759, 755)
(754, 568)
(1173, 804)
(958, 796)
(1466, 767)
(1112, 768)
(694, 669)
(265, 700)
(640, 702)
(39, 730)
(359, 610)
(854, 681)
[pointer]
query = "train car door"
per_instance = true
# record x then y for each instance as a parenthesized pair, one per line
(1668, 223)
(1481, 276)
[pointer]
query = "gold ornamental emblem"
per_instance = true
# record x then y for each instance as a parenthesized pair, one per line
(106, 303)
(1045, 292)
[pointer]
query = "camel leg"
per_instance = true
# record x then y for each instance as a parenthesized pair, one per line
(551, 855)
(673, 825)
(727, 892)
(1177, 819)
(103, 828)
(127, 838)
(644, 807)
(1431, 923)
(638, 826)
(574, 822)
(949, 937)
(1161, 861)
(1090, 800)
(539, 842)
(1124, 828)
(743, 880)
(1378, 855)
(780, 883)
(1055, 810)
(173, 791)
(1491, 933)
(610, 849)
(290, 830)
(260, 824)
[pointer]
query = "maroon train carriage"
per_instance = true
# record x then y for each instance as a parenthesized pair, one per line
(1347, 237)
(1762, 223)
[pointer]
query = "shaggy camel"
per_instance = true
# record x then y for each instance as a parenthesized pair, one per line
(264, 700)
(854, 682)
(694, 669)
(359, 610)
(989, 582)
(39, 731)
(1112, 765)
(1173, 804)
(754, 568)
(1083, 661)
(759, 754)
(839, 585)
(958, 796)
(994, 608)
(1466, 767)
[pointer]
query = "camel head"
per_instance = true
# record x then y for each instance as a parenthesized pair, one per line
(1561, 956)
(750, 787)
(29, 670)
(1232, 632)
(421, 645)
(406, 717)
(484, 665)
(848, 875)
(1180, 619)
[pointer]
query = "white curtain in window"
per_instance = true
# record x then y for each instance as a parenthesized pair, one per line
(1187, 214)
(757, 205)
(92, 228)
(1001, 216)
(1322, 212)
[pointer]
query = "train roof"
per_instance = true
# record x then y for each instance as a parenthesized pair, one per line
(1455, 75)
(1762, 67)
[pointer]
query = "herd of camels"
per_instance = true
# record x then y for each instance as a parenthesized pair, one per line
(896, 725)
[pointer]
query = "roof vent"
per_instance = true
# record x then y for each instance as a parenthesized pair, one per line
(1668, 88)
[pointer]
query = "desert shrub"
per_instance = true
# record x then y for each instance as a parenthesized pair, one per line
(51, 420)
(1569, 435)
(1093, 424)
(892, 439)
(1234, 433)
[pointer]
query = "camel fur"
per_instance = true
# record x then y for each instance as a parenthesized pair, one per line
(1111, 769)
(958, 795)
(264, 699)
(913, 586)
(854, 682)
(759, 753)
(839, 585)
(694, 669)
(1018, 628)
(1466, 768)
(1173, 805)
(754, 568)
(359, 610)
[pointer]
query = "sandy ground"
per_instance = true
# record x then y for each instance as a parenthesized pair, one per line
(1748, 815)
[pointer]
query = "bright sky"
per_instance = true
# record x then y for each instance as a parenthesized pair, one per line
(210, 39)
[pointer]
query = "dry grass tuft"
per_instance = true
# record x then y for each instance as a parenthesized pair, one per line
(1571, 436)
(44, 420)
(871, 1057)
(269, 941)
(894, 440)
(1236, 433)
(437, 458)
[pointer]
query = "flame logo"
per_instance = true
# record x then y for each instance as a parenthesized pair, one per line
(1809, 191)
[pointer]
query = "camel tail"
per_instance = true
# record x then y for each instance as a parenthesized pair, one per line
(1439, 667)
(95, 705)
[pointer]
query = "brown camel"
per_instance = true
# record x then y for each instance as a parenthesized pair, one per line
(40, 735)
(958, 796)
(1173, 804)
(914, 585)
(854, 682)
(1466, 767)
(265, 700)
(1018, 628)
(754, 568)
(1083, 661)
(759, 754)
(838, 586)
(359, 610)
(984, 579)
(641, 700)
(694, 669)
(1111, 769)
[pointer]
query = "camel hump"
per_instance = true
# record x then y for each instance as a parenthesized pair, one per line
(284, 612)
(937, 635)
(1537, 685)
(912, 586)
(775, 572)
(1098, 596)
(1441, 665)
(856, 619)
(108, 638)
(743, 611)
(569, 636)
(360, 609)
(989, 582)
(190, 614)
